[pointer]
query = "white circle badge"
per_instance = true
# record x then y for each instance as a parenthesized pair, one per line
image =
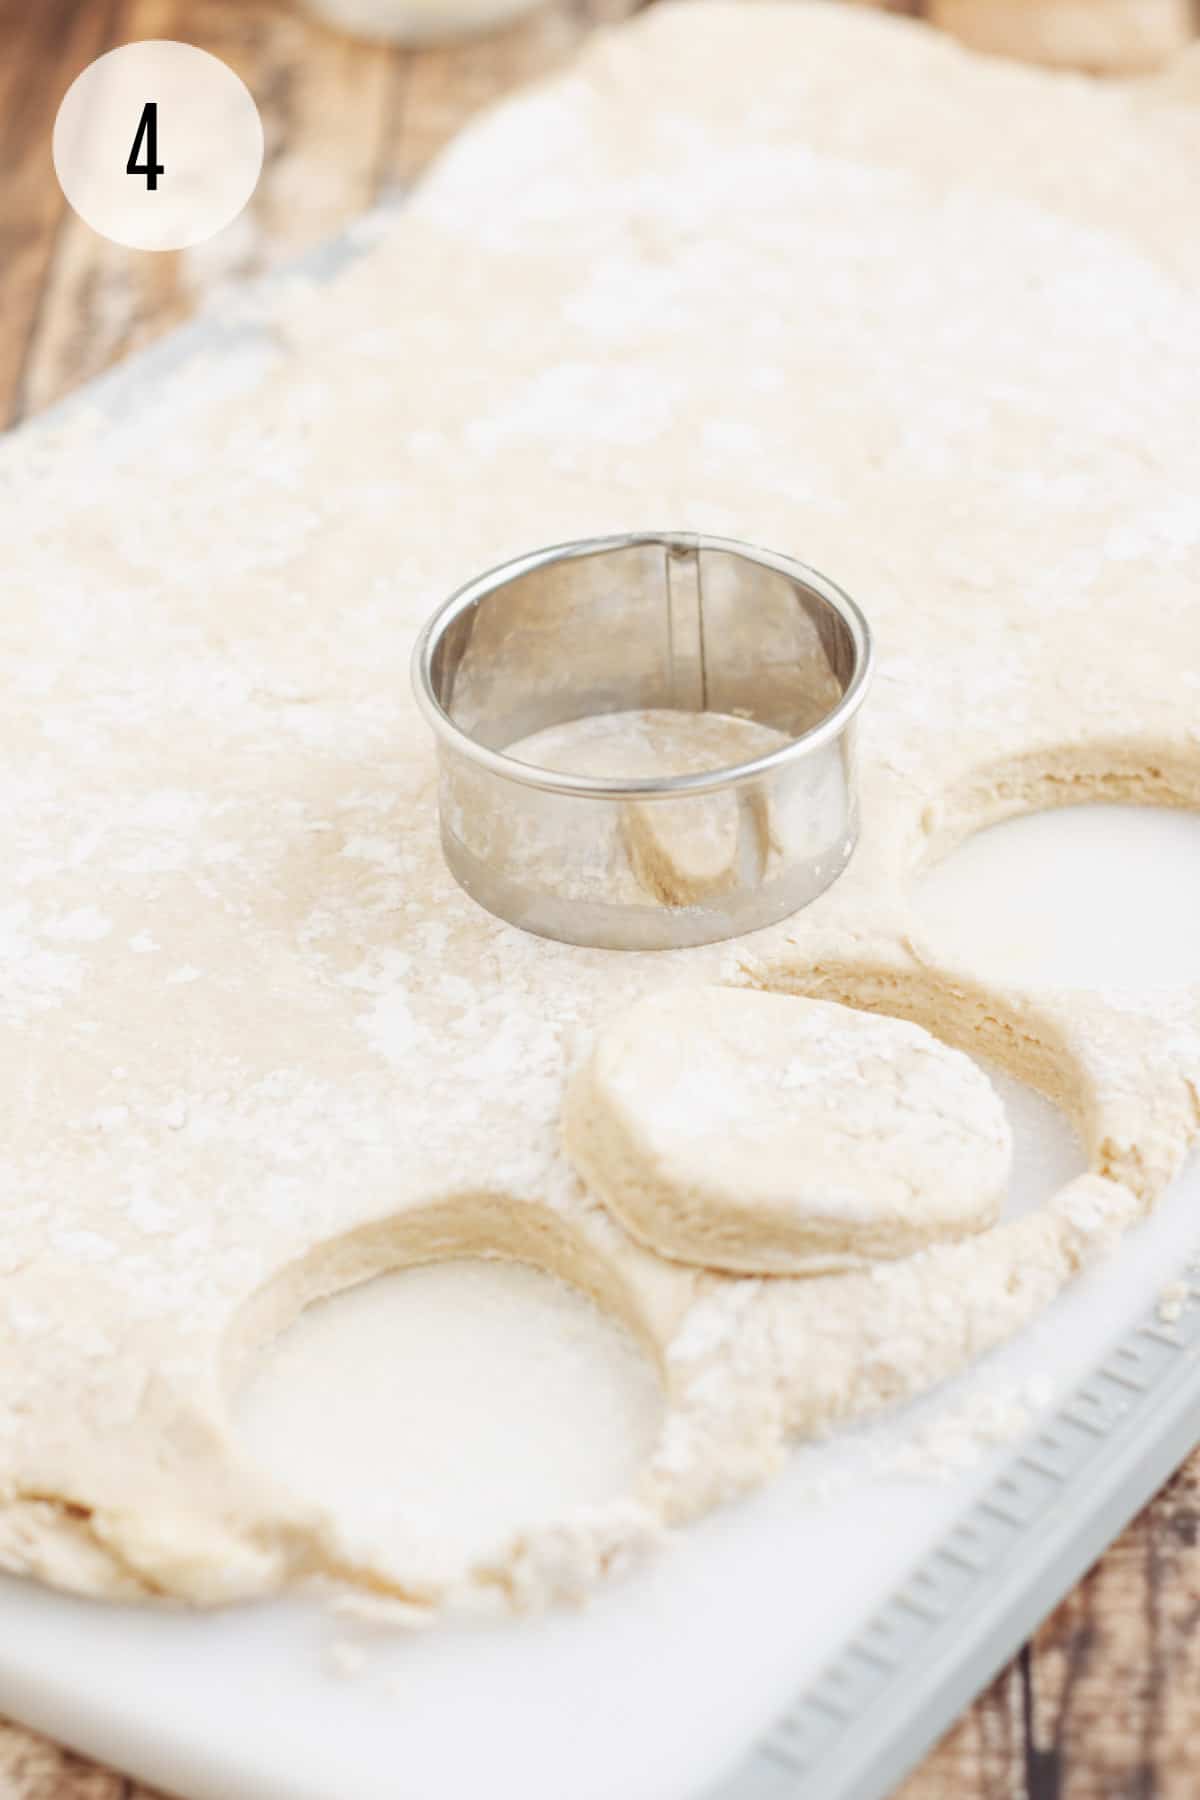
(158, 145)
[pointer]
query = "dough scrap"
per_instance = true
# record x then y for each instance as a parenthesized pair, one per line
(768, 1135)
(675, 852)
(1103, 36)
(258, 1046)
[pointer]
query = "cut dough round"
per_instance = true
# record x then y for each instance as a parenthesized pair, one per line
(675, 852)
(774, 1135)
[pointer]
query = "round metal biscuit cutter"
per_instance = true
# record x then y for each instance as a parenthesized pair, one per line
(654, 621)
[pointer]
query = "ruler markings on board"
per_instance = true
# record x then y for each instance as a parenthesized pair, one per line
(1136, 1387)
(854, 1732)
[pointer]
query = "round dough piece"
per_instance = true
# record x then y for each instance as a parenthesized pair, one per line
(675, 852)
(774, 1135)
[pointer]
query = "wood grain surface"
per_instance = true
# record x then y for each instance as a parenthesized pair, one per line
(1104, 1704)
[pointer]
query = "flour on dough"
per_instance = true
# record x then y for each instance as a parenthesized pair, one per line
(773, 1135)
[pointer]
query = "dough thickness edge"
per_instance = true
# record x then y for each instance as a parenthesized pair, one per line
(600, 1146)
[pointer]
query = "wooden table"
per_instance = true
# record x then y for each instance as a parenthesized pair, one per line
(1105, 1702)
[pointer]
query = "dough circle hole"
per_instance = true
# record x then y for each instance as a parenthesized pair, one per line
(441, 1408)
(1020, 1051)
(1095, 896)
(1047, 1151)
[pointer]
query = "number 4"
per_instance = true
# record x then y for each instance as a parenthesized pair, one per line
(147, 134)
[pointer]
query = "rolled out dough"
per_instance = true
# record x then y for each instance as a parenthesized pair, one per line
(772, 1135)
(802, 275)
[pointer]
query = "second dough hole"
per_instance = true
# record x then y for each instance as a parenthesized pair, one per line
(1047, 1152)
(1092, 896)
(450, 1405)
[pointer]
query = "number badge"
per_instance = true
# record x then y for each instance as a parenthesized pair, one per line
(158, 145)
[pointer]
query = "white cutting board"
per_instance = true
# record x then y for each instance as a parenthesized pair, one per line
(663, 1681)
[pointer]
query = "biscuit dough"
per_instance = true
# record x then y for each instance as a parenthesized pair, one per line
(673, 851)
(803, 275)
(1105, 36)
(771, 1135)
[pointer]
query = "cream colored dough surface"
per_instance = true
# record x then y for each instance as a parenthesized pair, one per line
(794, 274)
(767, 1134)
